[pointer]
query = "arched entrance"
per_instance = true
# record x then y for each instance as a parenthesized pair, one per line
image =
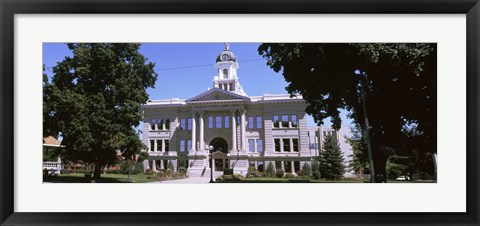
(219, 145)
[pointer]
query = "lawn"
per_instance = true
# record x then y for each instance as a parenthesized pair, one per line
(293, 180)
(104, 178)
(296, 180)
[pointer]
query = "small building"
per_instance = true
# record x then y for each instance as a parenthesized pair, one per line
(51, 159)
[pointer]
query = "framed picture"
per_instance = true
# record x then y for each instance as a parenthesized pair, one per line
(236, 144)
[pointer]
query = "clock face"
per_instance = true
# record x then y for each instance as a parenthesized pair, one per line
(225, 57)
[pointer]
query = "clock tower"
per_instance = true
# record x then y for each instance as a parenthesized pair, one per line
(226, 67)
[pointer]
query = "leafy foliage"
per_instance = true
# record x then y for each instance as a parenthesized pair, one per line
(359, 158)
(400, 91)
(306, 169)
(331, 159)
(95, 101)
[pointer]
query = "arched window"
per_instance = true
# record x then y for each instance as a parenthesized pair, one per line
(225, 73)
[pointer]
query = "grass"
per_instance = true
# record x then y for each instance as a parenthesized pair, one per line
(293, 180)
(299, 180)
(104, 178)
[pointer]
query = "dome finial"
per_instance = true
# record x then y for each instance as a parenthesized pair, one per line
(226, 46)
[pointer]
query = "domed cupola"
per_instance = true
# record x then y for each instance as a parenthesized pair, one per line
(226, 66)
(226, 55)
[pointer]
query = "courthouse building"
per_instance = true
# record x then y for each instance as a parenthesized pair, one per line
(236, 131)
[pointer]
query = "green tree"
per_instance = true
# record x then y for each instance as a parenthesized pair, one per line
(359, 158)
(270, 172)
(315, 169)
(400, 91)
(95, 100)
(331, 159)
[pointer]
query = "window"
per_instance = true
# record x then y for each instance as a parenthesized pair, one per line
(218, 122)
(295, 144)
(324, 134)
(159, 145)
(167, 144)
(210, 122)
(225, 73)
(259, 122)
(286, 145)
(277, 145)
(285, 121)
(182, 145)
(296, 166)
(183, 123)
(251, 164)
(275, 121)
(227, 122)
(189, 145)
(167, 124)
(294, 120)
(152, 145)
(278, 165)
(259, 145)
(160, 124)
(288, 166)
(153, 124)
(189, 123)
(250, 122)
(251, 145)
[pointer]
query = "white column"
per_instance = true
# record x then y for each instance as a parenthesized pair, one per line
(201, 146)
(228, 86)
(242, 127)
(155, 145)
(234, 133)
(163, 124)
(163, 145)
(194, 142)
(154, 165)
(292, 168)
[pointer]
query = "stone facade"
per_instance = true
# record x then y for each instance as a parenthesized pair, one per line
(230, 128)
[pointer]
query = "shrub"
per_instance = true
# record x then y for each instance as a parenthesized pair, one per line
(251, 171)
(306, 169)
(182, 170)
(138, 168)
(280, 173)
(289, 175)
(229, 178)
(125, 166)
(315, 169)
(149, 172)
(270, 170)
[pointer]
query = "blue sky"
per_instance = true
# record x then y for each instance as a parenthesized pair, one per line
(186, 69)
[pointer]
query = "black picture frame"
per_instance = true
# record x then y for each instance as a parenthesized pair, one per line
(8, 9)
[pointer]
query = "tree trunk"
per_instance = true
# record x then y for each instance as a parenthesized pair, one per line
(380, 170)
(98, 169)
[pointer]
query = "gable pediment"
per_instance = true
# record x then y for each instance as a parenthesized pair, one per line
(216, 94)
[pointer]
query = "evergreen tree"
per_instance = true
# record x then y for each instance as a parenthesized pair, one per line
(315, 169)
(331, 159)
(95, 101)
(270, 172)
